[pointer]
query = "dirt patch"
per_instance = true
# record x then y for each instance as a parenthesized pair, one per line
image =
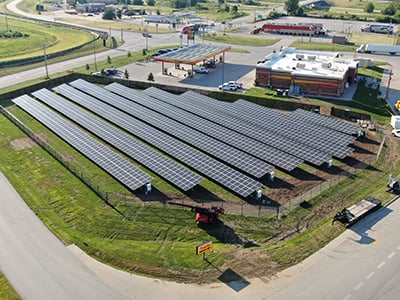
(22, 143)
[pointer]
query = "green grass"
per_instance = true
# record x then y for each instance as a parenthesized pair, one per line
(6, 290)
(322, 46)
(238, 40)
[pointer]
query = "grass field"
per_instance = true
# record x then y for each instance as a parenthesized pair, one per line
(56, 38)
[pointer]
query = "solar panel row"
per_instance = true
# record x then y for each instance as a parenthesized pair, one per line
(118, 167)
(209, 167)
(156, 162)
(324, 121)
(309, 154)
(321, 138)
(205, 143)
(262, 151)
(317, 132)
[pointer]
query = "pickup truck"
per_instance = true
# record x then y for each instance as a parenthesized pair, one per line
(357, 211)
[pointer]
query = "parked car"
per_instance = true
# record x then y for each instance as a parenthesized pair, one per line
(239, 85)
(227, 87)
(396, 132)
(231, 86)
(200, 70)
(107, 72)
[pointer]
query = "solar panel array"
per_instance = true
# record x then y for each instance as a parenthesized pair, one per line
(118, 167)
(155, 161)
(239, 159)
(321, 138)
(262, 151)
(282, 143)
(212, 168)
(326, 121)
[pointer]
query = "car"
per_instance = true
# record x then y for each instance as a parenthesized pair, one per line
(111, 71)
(239, 85)
(200, 70)
(227, 87)
(97, 74)
(146, 34)
(397, 105)
(396, 132)
(230, 86)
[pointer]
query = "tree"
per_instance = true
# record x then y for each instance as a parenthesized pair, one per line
(389, 10)
(150, 77)
(369, 7)
(292, 7)
(234, 9)
(119, 14)
(109, 15)
(151, 2)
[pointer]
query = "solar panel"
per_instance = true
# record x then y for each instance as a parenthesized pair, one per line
(316, 131)
(156, 162)
(326, 121)
(318, 137)
(235, 157)
(262, 151)
(209, 167)
(305, 152)
(118, 167)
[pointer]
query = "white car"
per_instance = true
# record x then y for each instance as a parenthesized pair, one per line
(227, 87)
(396, 132)
(238, 85)
(200, 70)
(230, 86)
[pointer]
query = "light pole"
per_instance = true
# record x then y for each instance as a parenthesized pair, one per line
(94, 56)
(45, 60)
(5, 16)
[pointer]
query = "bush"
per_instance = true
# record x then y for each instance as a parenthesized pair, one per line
(150, 77)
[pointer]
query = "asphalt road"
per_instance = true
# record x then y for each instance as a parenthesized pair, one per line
(36, 263)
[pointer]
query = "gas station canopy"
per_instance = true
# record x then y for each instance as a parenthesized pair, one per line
(192, 54)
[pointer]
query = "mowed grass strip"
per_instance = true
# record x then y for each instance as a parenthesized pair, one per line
(238, 40)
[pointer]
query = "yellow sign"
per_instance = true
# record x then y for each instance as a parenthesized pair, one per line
(200, 249)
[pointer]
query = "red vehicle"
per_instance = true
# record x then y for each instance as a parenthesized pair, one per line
(290, 29)
(204, 214)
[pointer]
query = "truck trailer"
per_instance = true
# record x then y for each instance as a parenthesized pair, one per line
(294, 29)
(352, 214)
(378, 28)
(379, 49)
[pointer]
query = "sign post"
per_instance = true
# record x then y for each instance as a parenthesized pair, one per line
(203, 248)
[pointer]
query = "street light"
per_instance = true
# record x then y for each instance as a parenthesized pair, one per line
(45, 60)
(94, 55)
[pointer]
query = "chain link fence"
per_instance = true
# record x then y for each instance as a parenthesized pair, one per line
(262, 207)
